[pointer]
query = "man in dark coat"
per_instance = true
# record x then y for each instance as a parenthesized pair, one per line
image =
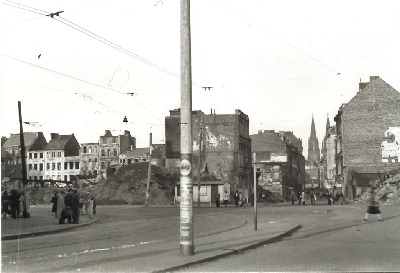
(217, 199)
(236, 197)
(14, 203)
(75, 207)
(68, 205)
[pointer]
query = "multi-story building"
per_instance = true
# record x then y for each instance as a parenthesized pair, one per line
(368, 136)
(280, 161)
(111, 147)
(221, 147)
(62, 158)
(90, 154)
(11, 169)
(328, 157)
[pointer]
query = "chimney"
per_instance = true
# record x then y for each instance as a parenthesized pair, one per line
(361, 85)
(372, 78)
(211, 111)
(260, 131)
(107, 133)
(53, 136)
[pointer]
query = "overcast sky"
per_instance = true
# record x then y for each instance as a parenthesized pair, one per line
(280, 62)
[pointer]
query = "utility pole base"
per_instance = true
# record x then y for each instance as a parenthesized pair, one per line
(187, 250)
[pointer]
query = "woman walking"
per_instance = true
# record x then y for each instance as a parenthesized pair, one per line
(60, 213)
(373, 206)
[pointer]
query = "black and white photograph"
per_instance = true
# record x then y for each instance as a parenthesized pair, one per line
(200, 136)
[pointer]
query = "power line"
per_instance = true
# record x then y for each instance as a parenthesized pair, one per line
(78, 79)
(280, 39)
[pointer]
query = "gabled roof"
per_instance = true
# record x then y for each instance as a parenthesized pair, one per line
(14, 140)
(58, 142)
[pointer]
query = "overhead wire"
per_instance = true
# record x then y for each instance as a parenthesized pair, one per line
(279, 38)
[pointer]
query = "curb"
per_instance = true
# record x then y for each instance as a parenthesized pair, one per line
(233, 252)
(40, 233)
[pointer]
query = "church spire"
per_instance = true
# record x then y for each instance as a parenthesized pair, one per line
(313, 145)
(328, 124)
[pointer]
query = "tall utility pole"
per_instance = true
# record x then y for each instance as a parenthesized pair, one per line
(186, 183)
(22, 141)
(149, 172)
(199, 180)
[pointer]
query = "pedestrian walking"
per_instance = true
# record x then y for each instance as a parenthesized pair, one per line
(217, 199)
(4, 204)
(61, 208)
(14, 203)
(226, 198)
(303, 198)
(292, 197)
(54, 206)
(299, 197)
(236, 197)
(373, 205)
(90, 206)
(312, 197)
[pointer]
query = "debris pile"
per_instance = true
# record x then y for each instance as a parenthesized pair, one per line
(387, 191)
(128, 185)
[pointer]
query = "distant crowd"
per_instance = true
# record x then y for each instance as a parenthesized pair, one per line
(15, 204)
(71, 204)
(301, 197)
(66, 205)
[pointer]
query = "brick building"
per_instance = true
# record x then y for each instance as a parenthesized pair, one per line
(110, 148)
(223, 143)
(281, 162)
(368, 136)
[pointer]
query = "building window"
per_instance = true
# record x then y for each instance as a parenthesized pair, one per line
(90, 160)
(30, 167)
(71, 165)
(59, 166)
(65, 177)
(103, 152)
(84, 149)
(35, 155)
(109, 152)
(48, 166)
(102, 165)
(95, 159)
(35, 167)
(53, 154)
(53, 166)
(59, 154)
(41, 155)
(41, 167)
(77, 165)
(40, 177)
(30, 155)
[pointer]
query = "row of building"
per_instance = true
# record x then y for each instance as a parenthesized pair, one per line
(361, 146)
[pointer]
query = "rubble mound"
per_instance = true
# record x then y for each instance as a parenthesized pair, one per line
(387, 191)
(128, 185)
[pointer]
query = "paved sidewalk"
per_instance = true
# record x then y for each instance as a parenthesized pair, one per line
(40, 223)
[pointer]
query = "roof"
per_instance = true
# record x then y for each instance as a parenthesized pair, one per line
(58, 142)
(14, 140)
(138, 152)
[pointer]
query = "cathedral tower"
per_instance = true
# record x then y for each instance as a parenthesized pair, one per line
(313, 146)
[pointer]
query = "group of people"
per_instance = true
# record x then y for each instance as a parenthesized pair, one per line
(237, 197)
(15, 204)
(301, 197)
(70, 206)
